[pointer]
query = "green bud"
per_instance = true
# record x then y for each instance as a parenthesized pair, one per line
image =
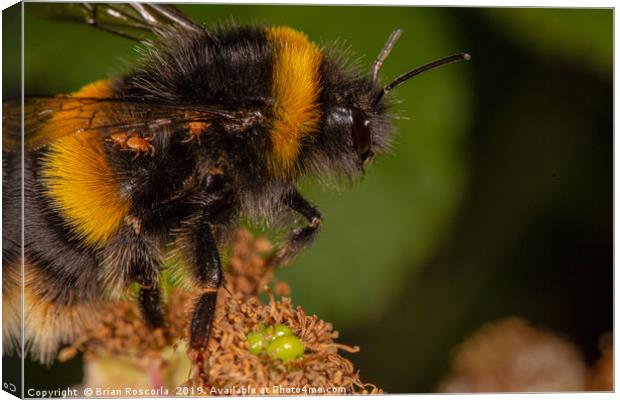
(268, 332)
(272, 332)
(286, 348)
(281, 330)
(256, 342)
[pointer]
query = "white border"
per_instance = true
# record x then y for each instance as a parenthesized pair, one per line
(455, 3)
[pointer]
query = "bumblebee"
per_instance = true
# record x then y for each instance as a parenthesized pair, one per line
(211, 125)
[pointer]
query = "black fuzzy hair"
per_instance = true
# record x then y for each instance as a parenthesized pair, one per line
(192, 68)
(345, 86)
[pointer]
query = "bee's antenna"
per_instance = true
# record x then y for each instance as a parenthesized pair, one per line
(387, 48)
(417, 71)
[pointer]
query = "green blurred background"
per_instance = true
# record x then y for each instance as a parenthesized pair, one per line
(497, 200)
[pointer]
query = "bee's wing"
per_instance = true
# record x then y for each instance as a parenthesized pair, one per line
(135, 21)
(46, 119)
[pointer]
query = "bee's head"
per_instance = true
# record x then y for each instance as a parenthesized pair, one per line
(357, 123)
(356, 127)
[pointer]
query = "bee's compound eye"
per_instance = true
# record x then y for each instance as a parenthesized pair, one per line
(361, 134)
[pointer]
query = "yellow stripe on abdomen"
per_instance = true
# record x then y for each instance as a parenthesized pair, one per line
(296, 89)
(81, 183)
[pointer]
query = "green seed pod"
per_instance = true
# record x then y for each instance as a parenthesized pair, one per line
(286, 348)
(256, 342)
(268, 332)
(281, 330)
(272, 332)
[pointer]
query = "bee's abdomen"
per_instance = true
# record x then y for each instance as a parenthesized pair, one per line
(47, 323)
(80, 183)
(60, 274)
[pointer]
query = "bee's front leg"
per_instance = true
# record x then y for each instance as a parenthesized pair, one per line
(302, 237)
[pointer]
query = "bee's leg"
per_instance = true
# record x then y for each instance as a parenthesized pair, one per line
(199, 245)
(150, 307)
(207, 273)
(301, 237)
(145, 262)
(203, 258)
(137, 258)
(145, 271)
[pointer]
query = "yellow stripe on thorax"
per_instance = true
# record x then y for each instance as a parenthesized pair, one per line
(80, 180)
(296, 89)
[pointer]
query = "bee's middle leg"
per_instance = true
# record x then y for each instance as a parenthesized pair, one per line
(200, 247)
(207, 273)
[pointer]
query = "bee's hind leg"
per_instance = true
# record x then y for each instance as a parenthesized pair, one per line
(131, 248)
(149, 296)
(151, 307)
